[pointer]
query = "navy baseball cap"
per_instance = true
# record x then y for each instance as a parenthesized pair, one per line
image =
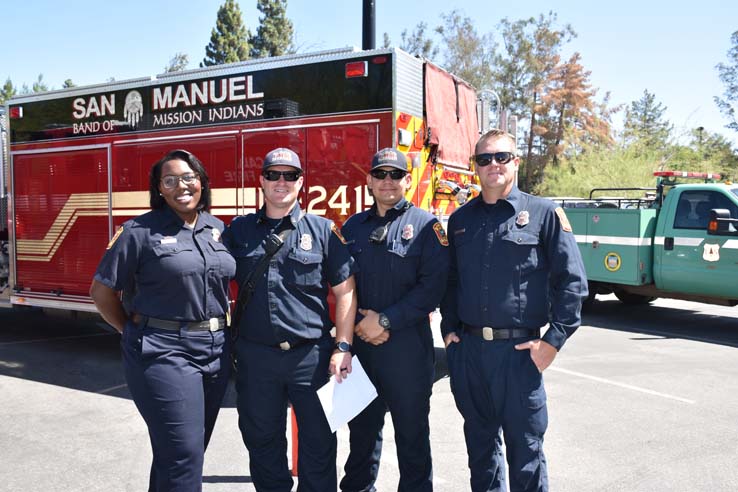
(390, 157)
(282, 157)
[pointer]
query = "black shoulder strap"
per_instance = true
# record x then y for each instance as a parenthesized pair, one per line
(272, 244)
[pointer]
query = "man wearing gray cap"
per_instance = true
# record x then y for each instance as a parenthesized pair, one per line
(287, 260)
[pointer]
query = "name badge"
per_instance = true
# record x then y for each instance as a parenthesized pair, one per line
(168, 240)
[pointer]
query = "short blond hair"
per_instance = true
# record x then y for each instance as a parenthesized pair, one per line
(494, 134)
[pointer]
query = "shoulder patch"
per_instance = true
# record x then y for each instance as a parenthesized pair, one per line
(115, 237)
(565, 225)
(335, 230)
(440, 234)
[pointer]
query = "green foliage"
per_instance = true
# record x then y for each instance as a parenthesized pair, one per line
(274, 36)
(728, 73)
(418, 43)
(7, 91)
(177, 63)
(604, 168)
(68, 84)
(229, 39)
(467, 54)
(645, 124)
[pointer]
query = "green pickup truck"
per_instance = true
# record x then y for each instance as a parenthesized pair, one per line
(679, 240)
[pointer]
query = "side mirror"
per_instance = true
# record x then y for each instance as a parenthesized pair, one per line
(721, 223)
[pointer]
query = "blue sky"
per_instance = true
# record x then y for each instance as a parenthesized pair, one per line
(670, 48)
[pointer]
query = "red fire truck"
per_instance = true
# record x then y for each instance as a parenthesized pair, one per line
(79, 158)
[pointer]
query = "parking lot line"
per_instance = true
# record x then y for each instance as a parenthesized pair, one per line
(621, 385)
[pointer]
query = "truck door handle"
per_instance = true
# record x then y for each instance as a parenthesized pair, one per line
(668, 243)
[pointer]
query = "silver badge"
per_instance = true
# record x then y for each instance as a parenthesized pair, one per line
(523, 218)
(407, 232)
(306, 242)
(216, 235)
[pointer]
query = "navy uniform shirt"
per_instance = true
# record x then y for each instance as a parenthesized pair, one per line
(290, 301)
(167, 270)
(514, 264)
(405, 276)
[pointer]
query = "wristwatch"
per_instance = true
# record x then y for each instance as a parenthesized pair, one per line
(384, 321)
(343, 346)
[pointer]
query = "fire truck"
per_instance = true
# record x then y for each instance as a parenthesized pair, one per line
(79, 158)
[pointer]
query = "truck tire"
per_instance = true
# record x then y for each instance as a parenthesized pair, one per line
(632, 299)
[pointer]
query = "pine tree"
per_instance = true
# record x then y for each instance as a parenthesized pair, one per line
(7, 91)
(644, 123)
(229, 39)
(274, 36)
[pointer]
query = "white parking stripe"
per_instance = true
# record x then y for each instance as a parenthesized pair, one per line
(112, 388)
(621, 385)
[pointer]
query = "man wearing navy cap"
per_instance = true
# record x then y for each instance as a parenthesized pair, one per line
(284, 350)
(402, 255)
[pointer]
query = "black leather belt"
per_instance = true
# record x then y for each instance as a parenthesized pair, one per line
(285, 346)
(212, 324)
(489, 333)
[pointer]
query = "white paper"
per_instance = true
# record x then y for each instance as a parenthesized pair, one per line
(343, 401)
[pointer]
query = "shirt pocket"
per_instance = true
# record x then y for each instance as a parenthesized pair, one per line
(522, 248)
(303, 268)
(174, 259)
(404, 262)
(222, 257)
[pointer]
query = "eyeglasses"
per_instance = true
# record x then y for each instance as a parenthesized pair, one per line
(287, 175)
(499, 157)
(395, 174)
(170, 181)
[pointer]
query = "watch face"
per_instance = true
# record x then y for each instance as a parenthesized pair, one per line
(343, 346)
(384, 321)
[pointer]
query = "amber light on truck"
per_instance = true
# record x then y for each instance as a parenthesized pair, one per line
(686, 174)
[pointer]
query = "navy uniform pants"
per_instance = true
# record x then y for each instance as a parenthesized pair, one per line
(177, 380)
(499, 389)
(267, 378)
(402, 371)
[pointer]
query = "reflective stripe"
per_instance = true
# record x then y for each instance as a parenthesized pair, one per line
(680, 241)
(619, 241)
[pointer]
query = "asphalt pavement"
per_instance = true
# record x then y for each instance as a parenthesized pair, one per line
(640, 399)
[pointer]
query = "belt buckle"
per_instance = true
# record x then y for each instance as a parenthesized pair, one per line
(488, 333)
(214, 324)
(285, 345)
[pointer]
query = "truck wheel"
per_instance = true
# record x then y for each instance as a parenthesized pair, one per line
(632, 299)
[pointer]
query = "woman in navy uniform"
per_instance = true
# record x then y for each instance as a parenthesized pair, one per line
(284, 348)
(173, 272)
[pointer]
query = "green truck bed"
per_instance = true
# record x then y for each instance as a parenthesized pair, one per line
(616, 244)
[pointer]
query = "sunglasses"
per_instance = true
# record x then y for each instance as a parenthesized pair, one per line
(287, 175)
(499, 157)
(395, 174)
(170, 181)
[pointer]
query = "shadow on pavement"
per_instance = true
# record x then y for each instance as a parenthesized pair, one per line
(665, 322)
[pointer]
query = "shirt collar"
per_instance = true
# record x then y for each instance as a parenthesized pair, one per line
(396, 210)
(293, 215)
(514, 199)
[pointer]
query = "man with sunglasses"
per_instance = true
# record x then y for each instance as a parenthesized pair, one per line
(515, 267)
(402, 255)
(284, 350)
